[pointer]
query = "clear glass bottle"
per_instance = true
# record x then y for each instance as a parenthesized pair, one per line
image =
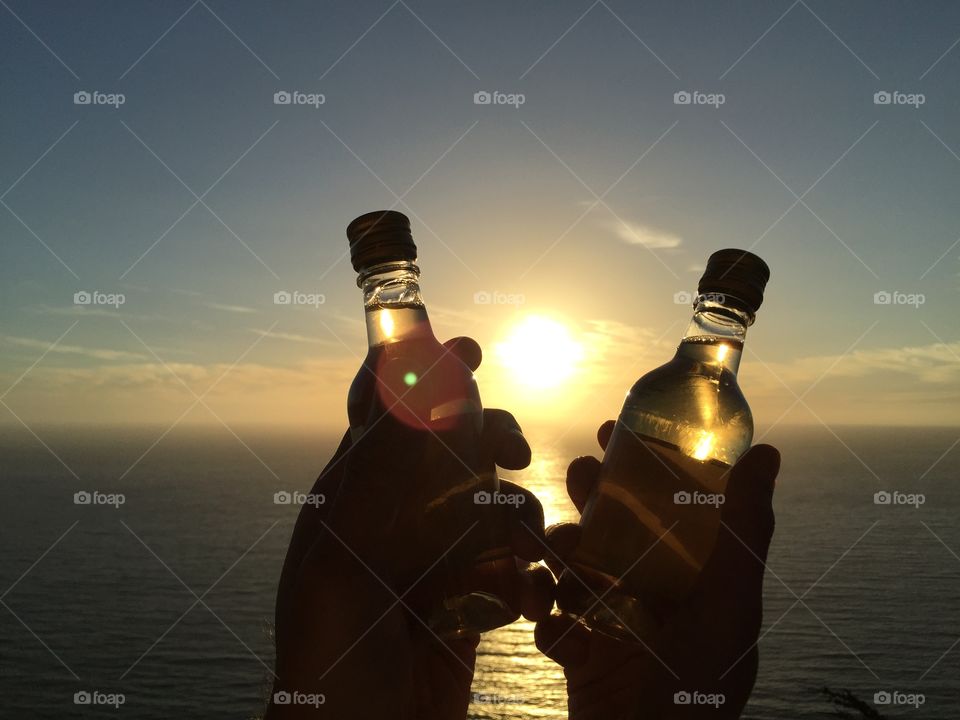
(644, 540)
(408, 373)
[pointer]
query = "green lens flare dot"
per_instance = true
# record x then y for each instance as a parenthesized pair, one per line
(410, 378)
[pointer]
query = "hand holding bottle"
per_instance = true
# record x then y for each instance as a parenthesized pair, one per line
(425, 400)
(343, 628)
(706, 648)
(643, 543)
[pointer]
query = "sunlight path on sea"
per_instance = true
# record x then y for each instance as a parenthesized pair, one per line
(513, 679)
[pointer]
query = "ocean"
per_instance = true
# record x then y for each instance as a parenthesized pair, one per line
(97, 598)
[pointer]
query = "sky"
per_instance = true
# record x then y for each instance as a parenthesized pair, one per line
(185, 194)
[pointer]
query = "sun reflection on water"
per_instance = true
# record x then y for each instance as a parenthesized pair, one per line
(513, 680)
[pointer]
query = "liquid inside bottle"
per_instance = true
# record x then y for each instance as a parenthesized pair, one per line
(645, 539)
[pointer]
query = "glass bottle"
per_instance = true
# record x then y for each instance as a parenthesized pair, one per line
(408, 373)
(644, 540)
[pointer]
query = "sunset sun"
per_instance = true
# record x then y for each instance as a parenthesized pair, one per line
(538, 353)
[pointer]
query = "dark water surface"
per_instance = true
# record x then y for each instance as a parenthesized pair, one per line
(111, 606)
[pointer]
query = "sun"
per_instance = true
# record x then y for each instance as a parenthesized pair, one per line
(539, 353)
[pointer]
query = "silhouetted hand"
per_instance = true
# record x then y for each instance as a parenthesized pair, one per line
(347, 641)
(708, 644)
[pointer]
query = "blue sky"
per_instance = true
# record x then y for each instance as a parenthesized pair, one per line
(597, 199)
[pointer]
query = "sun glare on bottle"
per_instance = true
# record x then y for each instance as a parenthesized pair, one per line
(539, 353)
(704, 446)
(387, 323)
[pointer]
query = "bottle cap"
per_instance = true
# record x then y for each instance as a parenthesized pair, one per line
(380, 237)
(738, 274)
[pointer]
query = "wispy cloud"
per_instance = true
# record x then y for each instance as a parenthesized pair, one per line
(188, 293)
(78, 311)
(93, 311)
(97, 353)
(149, 392)
(230, 308)
(448, 317)
(936, 363)
(638, 234)
(289, 336)
(612, 345)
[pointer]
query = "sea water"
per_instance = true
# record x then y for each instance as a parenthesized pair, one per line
(858, 595)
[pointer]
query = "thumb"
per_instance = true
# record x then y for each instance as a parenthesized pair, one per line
(735, 569)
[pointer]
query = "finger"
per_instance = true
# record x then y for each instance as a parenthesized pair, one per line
(563, 639)
(604, 433)
(562, 540)
(748, 507)
(582, 476)
(536, 591)
(465, 648)
(526, 522)
(735, 570)
(503, 438)
(467, 349)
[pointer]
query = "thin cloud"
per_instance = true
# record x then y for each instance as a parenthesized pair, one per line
(97, 353)
(648, 237)
(78, 311)
(934, 364)
(612, 345)
(314, 377)
(230, 308)
(289, 336)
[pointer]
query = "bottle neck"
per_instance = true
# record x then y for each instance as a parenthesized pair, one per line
(392, 304)
(716, 334)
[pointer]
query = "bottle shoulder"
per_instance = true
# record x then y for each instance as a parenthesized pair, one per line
(682, 372)
(695, 406)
